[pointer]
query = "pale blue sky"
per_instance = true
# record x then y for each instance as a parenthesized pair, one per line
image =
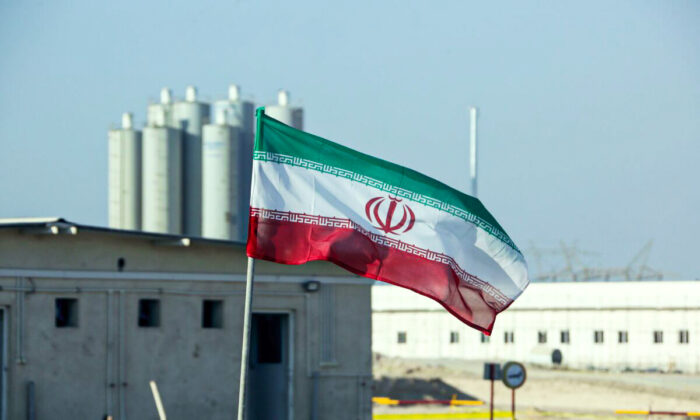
(590, 110)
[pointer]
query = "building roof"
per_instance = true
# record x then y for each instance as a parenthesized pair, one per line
(661, 294)
(59, 225)
(56, 247)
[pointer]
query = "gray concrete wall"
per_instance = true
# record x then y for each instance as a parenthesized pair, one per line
(90, 250)
(106, 362)
(346, 395)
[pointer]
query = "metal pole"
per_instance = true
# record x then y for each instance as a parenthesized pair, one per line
(491, 409)
(512, 403)
(245, 345)
(246, 337)
(31, 409)
(314, 396)
(158, 401)
(472, 149)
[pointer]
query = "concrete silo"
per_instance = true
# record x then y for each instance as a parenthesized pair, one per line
(125, 176)
(227, 167)
(190, 115)
(221, 188)
(162, 178)
(238, 112)
(161, 114)
(289, 115)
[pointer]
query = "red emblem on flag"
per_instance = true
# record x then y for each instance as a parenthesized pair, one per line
(381, 213)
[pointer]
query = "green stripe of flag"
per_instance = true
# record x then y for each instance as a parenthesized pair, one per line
(275, 142)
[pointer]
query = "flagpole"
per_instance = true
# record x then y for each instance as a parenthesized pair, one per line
(247, 315)
(246, 337)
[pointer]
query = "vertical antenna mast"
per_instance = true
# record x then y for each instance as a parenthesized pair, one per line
(472, 149)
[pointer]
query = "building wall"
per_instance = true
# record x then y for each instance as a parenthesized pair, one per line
(638, 308)
(103, 366)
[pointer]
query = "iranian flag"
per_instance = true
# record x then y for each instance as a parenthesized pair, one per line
(313, 199)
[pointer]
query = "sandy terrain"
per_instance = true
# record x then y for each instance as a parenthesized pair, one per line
(546, 393)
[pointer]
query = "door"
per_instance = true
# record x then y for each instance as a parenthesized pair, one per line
(267, 396)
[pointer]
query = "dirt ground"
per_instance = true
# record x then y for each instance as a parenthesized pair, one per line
(547, 393)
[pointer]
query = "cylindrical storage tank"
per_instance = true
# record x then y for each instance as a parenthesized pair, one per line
(162, 180)
(221, 193)
(190, 115)
(236, 111)
(285, 113)
(239, 113)
(161, 114)
(124, 205)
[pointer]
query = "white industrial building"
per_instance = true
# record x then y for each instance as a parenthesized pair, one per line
(640, 325)
(183, 173)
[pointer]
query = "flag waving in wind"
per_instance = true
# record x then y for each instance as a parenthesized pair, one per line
(313, 199)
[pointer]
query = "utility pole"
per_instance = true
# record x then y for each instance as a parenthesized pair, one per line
(472, 149)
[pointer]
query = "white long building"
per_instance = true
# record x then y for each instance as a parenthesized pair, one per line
(601, 325)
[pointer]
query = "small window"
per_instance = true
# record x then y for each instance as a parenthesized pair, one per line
(622, 337)
(683, 337)
(542, 337)
(401, 337)
(658, 337)
(149, 313)
(598, 337)
(564, 337)
(485, 338)
(454, 337)
(66, 312)
(212, 314)
(508, 337)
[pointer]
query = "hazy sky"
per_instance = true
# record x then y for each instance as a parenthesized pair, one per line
(589, 111)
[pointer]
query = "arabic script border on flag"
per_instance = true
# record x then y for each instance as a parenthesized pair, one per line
(499, 303)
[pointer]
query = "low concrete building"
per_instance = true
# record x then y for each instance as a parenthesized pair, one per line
(637, 325)
(89, 316)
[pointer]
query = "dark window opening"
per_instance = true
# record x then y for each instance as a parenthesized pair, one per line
(454, 337)
(508, 337)
(542, 337)
(485, 338)
(598, 337)
(212, 314)
(401, 337)
(557, 357)
(564, 337)
(66, 312)
(121, 262)
(622, 337)
(683, 337)
(269, 335)
(149, 313)
(658, 337)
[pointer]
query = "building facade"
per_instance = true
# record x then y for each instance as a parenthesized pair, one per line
(89, 316)
(638, 325)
